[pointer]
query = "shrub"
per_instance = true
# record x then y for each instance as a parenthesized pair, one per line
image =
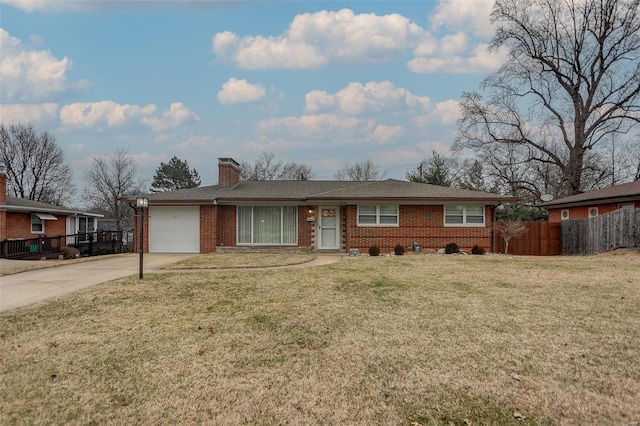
(70, 252)
(374, 251)
(398, 250)
(477, 250)
(101, 251)
(451, 248)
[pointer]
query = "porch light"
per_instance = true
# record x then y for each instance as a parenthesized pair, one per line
(142, 202)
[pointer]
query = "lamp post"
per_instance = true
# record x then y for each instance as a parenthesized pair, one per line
(141, 202)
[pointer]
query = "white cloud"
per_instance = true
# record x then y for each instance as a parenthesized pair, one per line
(399, 155)
(31, 75)
(147, 160)
(479, 61)
(236, 91)
(111, 114)
(89, 114)
(373, 96)
(464, 50)
(464, 15)
(262, 144)
(445, 113)
(383, 134)
(321, 127)
(25, 113)
(33, 5)
(196, 142)
(177, 115)
(316, 39)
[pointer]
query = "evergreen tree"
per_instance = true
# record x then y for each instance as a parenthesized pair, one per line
(437, 170)
(174, 175)
(473, 177)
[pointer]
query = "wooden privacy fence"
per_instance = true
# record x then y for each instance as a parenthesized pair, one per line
(541, 239)
(617, 229)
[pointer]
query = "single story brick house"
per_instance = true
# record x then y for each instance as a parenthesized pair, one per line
(315, 215)
(25, 219)
(594, 203)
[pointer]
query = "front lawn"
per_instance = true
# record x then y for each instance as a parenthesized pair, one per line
(389, 340)
(242, 260)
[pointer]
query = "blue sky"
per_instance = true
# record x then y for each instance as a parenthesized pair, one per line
(313, 82)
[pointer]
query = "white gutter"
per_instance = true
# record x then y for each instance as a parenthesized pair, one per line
(43, 210)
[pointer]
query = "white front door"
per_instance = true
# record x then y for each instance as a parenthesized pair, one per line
(329, 228)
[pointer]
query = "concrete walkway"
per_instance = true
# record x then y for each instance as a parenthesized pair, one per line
(34, 286)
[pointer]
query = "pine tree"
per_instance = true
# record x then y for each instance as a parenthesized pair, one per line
(174, 175)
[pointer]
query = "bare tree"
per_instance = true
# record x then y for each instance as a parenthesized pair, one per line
(266, 167)
(360, 171)
(571, 81)
(35, 165)
(509, 230)
(107, 180)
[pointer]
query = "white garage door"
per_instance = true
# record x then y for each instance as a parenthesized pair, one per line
(174, 229)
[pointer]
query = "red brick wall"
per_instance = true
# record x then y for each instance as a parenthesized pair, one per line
(18, 225)
(306, 230)
(3, 225)
(228, 175)
(227, 226)
(422, 224)
(582, 212)
(208, 228)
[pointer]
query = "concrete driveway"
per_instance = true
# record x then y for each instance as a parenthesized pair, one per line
(34, 286)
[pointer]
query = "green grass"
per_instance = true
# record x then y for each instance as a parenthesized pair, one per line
(412, 340)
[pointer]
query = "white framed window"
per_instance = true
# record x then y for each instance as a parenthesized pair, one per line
(37, 224)
(626, 206)
(378, 216)
(267, 225)
(464, 216)
(564, 214)
(593, 211)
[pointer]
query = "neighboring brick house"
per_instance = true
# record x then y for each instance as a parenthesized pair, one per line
(25, 219)
(316, 215)
(594, 203)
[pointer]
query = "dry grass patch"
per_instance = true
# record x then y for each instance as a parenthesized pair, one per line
(394, 340)
(242, 260)
(10, 267)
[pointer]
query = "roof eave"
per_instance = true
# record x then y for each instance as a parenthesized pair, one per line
(25, 209)
(558, 205)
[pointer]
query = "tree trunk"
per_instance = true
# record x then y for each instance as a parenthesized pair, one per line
(573, 173)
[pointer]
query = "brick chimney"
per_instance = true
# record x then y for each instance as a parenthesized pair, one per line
(228, 172)
(3, 183)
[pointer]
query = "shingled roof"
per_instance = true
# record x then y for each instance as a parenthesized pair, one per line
(618, 193)
(322, 191)
(16, 204)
